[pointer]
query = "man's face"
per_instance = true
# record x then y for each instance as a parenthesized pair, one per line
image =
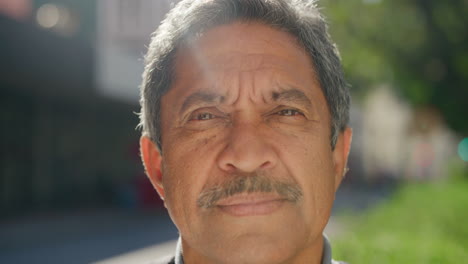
(247, 171)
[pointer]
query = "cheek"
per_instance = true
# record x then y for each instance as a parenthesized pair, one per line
(181, 177)
(309, 160)
(181, 192)
(187, 164)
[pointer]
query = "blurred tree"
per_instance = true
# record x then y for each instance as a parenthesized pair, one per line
(418, 46)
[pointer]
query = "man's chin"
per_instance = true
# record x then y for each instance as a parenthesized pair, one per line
(252, 248)
(254, 238)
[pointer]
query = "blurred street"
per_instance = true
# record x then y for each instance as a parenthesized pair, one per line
(82, 237)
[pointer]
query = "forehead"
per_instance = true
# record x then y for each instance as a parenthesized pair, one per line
(218, 60)
(247, 37)
(240, 46)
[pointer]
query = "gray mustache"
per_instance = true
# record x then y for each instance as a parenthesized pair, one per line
(249, 184)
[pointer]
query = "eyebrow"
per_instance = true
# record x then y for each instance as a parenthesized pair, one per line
(287, 95)
(292, 95)
(201, 98)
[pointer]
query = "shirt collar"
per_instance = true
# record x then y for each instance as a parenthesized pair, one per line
(326, 253)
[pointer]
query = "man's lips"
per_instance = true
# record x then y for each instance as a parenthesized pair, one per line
(251, 204)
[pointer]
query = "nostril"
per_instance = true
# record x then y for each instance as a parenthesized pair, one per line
(228, 167)
(266, 165)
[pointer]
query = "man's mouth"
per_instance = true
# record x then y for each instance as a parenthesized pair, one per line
(250, 204)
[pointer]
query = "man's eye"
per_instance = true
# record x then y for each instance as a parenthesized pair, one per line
(203, 116)
(289, 112)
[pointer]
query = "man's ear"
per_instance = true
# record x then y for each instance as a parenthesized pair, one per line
(152, 160)
(340, 155)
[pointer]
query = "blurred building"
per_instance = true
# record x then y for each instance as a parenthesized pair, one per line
(124, 28)
(401, 142)
(70, 71)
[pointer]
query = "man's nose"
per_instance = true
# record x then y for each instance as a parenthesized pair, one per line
(247, 150)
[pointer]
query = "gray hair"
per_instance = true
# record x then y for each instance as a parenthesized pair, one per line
(189, 18)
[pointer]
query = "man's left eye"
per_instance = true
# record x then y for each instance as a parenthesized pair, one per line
(290, 112)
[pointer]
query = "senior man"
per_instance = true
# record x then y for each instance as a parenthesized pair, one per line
(245, 136)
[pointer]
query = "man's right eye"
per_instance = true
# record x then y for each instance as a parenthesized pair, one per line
(202, 116)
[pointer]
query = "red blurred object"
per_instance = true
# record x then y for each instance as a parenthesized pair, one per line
(16, 9)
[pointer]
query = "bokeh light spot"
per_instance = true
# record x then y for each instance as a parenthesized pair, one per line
(48, 15)
(463, 149)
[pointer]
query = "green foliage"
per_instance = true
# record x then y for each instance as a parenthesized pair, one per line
(422, 223)
(418, 46)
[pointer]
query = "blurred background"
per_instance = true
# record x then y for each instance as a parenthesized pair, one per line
(72, 187)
